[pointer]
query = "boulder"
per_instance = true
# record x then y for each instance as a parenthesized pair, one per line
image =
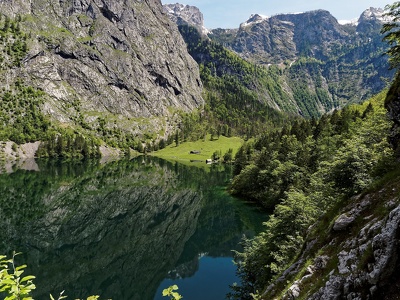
(343, 222)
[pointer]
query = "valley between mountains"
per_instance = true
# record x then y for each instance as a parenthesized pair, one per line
(304, 109)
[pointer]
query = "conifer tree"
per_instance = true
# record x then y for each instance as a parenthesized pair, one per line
(392, 34)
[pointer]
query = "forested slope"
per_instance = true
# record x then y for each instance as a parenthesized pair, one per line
(241, 98)
(304, 171)
(333, 187)
(114, 73)
(318, 54)
(306, 64)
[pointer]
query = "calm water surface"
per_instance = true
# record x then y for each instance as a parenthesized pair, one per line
(126, 229)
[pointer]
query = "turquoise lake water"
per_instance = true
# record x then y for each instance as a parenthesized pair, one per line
(125, 229)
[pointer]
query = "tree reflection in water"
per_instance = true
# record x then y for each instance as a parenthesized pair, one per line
(117, 230)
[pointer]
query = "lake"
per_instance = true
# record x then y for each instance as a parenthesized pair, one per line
(126, 229)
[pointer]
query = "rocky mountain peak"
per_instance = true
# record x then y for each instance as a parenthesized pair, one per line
(374, 14)
(186, 15)
(316, 17)
(371, 20)
(285, 36)
(119, 60)
(315, 49)
(254, 19)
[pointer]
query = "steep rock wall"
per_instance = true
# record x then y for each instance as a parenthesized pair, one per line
(124, 59)
(355, 257)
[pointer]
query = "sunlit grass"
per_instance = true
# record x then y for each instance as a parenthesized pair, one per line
(205, 147)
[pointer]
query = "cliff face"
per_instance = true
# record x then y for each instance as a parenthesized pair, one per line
(371, 19)
(265, 39)
(186, 15)
(282, 37)
(314, 34)
(122, 60)
(323, 64)
(355, 256)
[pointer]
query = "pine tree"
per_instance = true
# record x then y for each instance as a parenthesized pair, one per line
(392, 34)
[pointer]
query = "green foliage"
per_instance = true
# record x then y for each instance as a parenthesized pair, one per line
(237, 92)
(392, 36)
(21, 119)
(65, 144)
(20, 288)
(170, 292)
(13, 46)
(228, 156)
(11, 282)
(216, 155)
(301, 171)
(274, 164)
(107, 130)
(392, 104)
(392, 33)
(61, 296)
(177, 138)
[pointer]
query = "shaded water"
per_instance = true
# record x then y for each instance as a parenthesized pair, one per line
(124, 230)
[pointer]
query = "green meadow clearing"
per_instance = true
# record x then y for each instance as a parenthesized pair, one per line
(206, 148)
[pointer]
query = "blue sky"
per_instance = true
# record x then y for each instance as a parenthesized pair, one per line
(230, 13)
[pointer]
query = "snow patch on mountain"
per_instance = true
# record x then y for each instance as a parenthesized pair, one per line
(186, 15)
(349, 22)
(254, 19)
(373, 14)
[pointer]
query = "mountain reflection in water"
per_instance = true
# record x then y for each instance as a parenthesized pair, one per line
(124, 229)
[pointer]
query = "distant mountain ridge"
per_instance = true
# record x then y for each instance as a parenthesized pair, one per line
(324, 64)
(185, 14)
(288, 36)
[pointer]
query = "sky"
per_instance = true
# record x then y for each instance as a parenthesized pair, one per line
(230, 13)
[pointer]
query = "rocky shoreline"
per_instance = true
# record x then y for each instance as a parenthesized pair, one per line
(13, 156)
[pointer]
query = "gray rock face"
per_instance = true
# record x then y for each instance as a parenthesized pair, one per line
(186, 15)
(292, 293)
(352, 277)
(315, 32)
(342, 222)
(346, 219)
(287, 36)
(360, 262)
(116, 58)
(271, 39)
(332, 290)
(371, 20)
(385, 249)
